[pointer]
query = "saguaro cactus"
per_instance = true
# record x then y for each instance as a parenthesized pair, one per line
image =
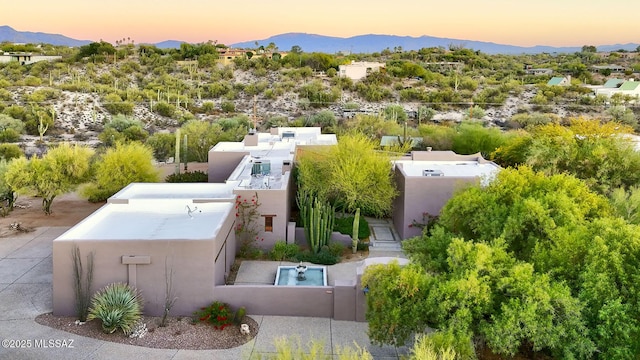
(356, 230)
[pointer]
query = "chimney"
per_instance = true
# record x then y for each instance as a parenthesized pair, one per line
(286, 166)
(251, 139)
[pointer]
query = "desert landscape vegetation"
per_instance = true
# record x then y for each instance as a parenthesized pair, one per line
(540, 263)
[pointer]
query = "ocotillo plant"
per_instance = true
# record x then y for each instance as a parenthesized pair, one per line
(317, 218)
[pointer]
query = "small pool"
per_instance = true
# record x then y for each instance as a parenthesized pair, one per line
(314, 276)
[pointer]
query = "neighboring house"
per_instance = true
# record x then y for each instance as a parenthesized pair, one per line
(426, 180)
(227, 55)
(538, 72)
(26, 58)
(611, 68)
(359, 70)
(628, 88)
(560, 81)
(608, 88)
(261, 165)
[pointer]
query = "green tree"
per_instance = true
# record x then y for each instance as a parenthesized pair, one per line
(59, 171)
(201, 136)
(597, 153)
(350, 175)
(163, 145)
(119, 167)
(395, 113)
(326, 119)
(472, 138)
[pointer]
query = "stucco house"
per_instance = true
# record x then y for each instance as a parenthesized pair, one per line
(359, 69)
(146, 229)
(261, 166)
(426, 180)
(559, 81)
(628, 88)
(26, 58)
(144, 233)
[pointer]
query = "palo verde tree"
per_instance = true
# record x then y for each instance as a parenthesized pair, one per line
(351, 175)
(118, 167)
(59, 171)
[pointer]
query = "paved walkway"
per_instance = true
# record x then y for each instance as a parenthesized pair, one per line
(25, 292)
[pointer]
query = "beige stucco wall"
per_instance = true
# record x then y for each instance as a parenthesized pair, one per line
(314, 301)
(273, 202)
(198, 265)
(422, 194)
(223, 163)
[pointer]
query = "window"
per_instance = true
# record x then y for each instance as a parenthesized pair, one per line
(268, 223)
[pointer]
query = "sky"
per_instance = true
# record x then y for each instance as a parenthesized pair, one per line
(510, 22)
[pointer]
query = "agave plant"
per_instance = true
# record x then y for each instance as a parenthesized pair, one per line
(117, 305)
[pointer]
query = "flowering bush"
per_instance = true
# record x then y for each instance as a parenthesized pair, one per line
(218, 314)
(247, 215)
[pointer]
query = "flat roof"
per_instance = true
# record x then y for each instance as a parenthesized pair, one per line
(191, 191)
(449, 168)
(152, 219)
(274, 148)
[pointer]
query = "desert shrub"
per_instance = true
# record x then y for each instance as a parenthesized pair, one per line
(336, 248)
(239, 316)
(228, 107)
(114, 104)
(323, 257)
(165, 109)
(163, 145)
(188, 177)
(344, 225)
(282, 251)
(9, 136)
(362, 246)
(292, 348)
(441, 346)
(118, 306)
(218, 314)
(10, 151)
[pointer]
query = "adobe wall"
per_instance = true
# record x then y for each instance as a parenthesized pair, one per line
(197, 266)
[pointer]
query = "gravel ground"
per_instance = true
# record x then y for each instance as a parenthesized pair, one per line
(180, 333)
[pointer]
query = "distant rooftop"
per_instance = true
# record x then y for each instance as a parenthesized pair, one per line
(156, 219)
(448, 168)
(269, 154)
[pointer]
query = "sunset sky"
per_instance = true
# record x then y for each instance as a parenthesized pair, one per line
(512, 22)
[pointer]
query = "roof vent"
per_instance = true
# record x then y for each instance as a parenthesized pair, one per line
(431, 172)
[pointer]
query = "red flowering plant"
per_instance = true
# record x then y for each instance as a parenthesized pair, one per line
(218, 314)
(246, 227)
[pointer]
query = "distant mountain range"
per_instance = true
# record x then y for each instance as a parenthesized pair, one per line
(376, 43)
(7, 33)
(329, 44)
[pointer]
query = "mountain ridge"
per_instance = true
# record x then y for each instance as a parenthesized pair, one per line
(366, 43)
